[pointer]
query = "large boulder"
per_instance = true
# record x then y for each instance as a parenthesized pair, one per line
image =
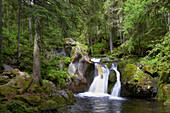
(18, 93)
(80, 68)
(136, 83)
(164, 93)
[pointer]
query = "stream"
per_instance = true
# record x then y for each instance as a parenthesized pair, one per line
(107, 105)
(97, 100)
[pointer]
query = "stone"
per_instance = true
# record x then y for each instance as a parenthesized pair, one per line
(7, 67)
(80, 64)
(136, 83)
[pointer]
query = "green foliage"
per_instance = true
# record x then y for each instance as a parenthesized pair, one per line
(159, 56)
(59, 77)
(100, 47)
(17, 107)
(51, 70)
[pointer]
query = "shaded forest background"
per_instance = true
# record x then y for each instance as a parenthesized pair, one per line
(132, 30)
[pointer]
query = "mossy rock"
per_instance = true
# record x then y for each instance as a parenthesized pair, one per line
(164, 92)
(4, 80)
(112, 78)
(129, 72)
(7, 91)
(71, 97)
(32, 100)
(16, 107)
(59, 100)
(110, 86)
(164, 78)
(108, 64)
(47, 105)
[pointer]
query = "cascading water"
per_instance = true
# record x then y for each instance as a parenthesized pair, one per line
(99, 86)
(117, 87)
(100, 82)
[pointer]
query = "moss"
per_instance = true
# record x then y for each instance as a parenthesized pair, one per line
(108, 64)
(130, 71)
(22, 85)
(71, 98)
(60, 101)
(164, 78)
(47, 105)
(17, 107)
(4, 80)
(149, 69)
(112, 78)
(164, 92)
(30, 99)
(7, 91)
(110, 86)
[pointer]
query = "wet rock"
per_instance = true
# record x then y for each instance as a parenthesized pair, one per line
(164, 92)
(136, 83)
(80, 64)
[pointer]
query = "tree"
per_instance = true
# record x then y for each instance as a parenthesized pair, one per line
(1, 39)
(19, 28)
(30, 23)
(37, 55)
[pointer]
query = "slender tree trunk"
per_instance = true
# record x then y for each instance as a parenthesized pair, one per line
(19, 29)
(37, 56)
(91, 42)
(105, 31)
(169, 22)
(96, 35)
(111, 39)
(8, 19)
(30, 24)
(1, 39)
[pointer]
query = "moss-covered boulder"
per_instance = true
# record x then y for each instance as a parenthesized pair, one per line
(136, 83)
(20, 94)
(164, 78)
(80, 68)
(164, 92)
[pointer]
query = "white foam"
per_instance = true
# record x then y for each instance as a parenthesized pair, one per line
(90, 94)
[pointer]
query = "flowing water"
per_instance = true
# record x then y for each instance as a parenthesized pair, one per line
(117, 87)
(96, 100)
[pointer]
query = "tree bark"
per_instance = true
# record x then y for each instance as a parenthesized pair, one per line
(30, 24)
(169, 23)
(8, 19)
(111, 39)
(96, 35)
(37, 56)
(19, 29)
(1, 39)
(91, 42)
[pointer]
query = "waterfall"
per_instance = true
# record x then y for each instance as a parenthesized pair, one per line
(100, 82)
(99, 86)
(117, 87)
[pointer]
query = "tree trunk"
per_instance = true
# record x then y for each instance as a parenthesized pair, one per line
(19, 29)
(96, 35)
(111, 39)
(37, 56)
(105, 31)
(91, 42)
(1, 39)
(30, 27)
(8, 19)
(169, 22)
